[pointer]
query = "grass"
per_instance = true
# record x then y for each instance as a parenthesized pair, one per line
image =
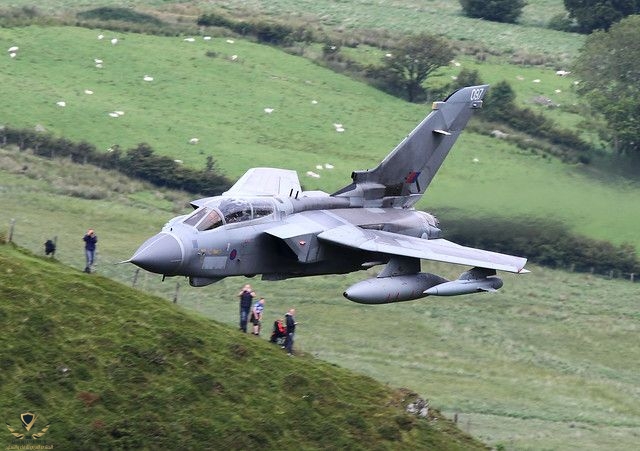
(442, 17)
(111, 367)
(548, 362)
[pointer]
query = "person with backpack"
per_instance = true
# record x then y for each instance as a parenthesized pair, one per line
(290, 322)
(246, 296)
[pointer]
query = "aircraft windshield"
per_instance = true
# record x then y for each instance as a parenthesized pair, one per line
(232, 210)
(210, 221)
(235, 210)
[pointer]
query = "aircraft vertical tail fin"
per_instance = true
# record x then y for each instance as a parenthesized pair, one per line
(404, 175)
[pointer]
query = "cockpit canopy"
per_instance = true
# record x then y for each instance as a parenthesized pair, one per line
(229, 210)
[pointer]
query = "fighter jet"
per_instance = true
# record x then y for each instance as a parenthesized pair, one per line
(265, 224)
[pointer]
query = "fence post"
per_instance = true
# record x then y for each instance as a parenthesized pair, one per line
(631, 276)
(135, 278)
(11, 227)
(175, 296)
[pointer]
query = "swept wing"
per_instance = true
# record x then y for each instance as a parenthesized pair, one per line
(437, 249)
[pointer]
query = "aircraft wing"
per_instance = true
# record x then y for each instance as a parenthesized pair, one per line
(266, 182)
(437, 249)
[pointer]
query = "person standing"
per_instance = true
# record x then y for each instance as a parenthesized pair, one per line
(90, 239)
(246, 299)
(256, 316)
(291, 323)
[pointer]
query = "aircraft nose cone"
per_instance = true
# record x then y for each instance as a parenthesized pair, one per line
(161, 254)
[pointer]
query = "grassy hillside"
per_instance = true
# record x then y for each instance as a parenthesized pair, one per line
(443, 17)
(549, 362)
(109, 367)
(222, 102)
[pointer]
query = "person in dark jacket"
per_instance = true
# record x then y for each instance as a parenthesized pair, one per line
(290, 322)
(90, 239)
(246, 296)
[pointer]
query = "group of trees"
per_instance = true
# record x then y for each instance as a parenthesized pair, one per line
(609, 68)
(583, 16)
(590, 15)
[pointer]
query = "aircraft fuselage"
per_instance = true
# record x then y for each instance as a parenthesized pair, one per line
(275, 237)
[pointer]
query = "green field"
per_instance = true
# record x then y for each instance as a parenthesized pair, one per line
(443, 17)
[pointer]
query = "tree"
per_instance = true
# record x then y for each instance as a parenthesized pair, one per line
(496, 10)
(593, 15)
(411, 62)
(609, 66)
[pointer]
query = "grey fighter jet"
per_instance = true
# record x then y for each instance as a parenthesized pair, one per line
(265, 224)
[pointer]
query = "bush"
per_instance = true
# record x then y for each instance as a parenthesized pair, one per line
(118, 14)
(495, 10)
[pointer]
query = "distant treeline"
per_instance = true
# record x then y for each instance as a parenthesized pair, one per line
(139, 162)
(546, 242)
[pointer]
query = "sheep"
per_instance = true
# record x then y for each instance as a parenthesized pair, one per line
(499, 134)
(88, 91)
(193, 141)
(13, 49)
(61, 103)
(328, 166)
(189, 40)
(268, 110)
(313, 174)
(147, 78)
(114, 41)
(562, 73)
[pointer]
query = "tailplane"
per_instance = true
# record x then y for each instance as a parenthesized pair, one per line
(404, 175)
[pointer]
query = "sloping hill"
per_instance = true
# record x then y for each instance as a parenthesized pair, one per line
(103, 366)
